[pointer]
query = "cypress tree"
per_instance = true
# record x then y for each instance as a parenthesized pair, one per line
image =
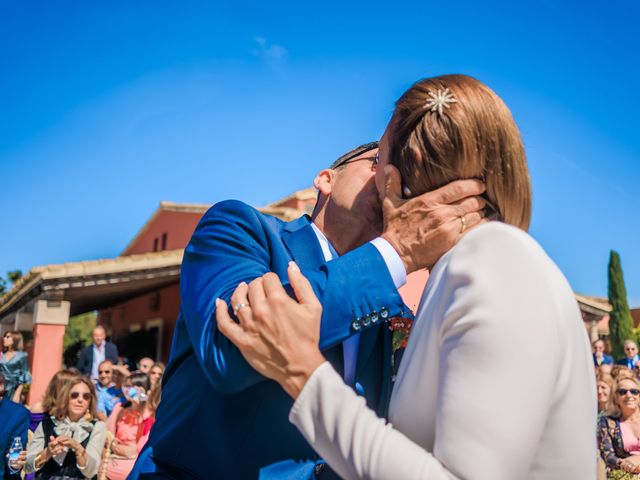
(620, 321)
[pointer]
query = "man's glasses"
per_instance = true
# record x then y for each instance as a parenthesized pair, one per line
(374, 161)
(633, 391)
(85, 396)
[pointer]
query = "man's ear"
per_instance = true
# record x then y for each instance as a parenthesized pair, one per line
(324, 181)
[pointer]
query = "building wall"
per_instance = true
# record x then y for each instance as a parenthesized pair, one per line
(142, 313)
(168, 230)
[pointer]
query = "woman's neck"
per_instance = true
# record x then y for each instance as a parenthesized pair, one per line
(632, 415)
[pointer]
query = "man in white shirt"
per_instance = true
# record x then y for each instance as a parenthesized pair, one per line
(93, 355)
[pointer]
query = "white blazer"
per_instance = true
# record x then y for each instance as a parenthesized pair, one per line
(496, 383)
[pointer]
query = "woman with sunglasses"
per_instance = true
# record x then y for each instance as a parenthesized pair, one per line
(69, 441)
(490, 301)
(619, 430)
(14, 365)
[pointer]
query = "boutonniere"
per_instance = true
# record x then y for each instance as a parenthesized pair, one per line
(401, 328)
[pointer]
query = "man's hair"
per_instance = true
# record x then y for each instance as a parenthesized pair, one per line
(473, 137)
(353, 154)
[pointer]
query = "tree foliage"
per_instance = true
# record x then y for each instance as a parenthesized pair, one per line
(620, 321)
(78, 335)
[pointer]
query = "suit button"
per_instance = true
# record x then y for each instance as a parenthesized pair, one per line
(384, 313)
(375, 318)
(356, 325)
(366, 321)
(319, 468)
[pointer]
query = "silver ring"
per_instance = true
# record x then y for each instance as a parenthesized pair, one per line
(463, 222)
(236, 308)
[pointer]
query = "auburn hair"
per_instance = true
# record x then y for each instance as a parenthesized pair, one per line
(473, 137)
(61, 406)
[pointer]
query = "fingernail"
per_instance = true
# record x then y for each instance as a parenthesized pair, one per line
(217, 302)
(294, 266)
(243, 284)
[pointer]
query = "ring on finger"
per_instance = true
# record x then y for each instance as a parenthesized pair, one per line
(239, 306)
(463, 223)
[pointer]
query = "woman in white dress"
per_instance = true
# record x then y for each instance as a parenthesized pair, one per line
(497, 378)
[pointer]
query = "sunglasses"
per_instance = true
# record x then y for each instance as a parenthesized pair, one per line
(75, 395)
(104, 371)
(633, 391)
(374, 161)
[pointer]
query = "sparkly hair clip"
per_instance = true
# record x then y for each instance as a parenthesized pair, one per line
(439, 100)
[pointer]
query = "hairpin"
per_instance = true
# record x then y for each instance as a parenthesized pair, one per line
(440, 99)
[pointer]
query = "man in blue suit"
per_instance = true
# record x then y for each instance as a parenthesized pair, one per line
(218, 417)
(14, 422)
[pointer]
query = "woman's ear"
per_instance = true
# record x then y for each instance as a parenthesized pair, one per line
(324, 181)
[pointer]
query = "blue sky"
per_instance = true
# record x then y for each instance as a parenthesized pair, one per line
(107, 108)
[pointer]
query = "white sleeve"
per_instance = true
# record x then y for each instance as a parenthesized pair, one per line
(352, 439)
(392, 260)
(34, 448)
(494, 379)
(94, 450)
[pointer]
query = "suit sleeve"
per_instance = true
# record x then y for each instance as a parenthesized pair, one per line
(19, 430)
(231, 245)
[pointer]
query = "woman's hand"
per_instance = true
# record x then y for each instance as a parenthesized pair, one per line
(275, 334)
(631, 464)
(68, 442)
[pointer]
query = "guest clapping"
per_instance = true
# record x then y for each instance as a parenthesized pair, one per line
(68, 443)
(619, 431)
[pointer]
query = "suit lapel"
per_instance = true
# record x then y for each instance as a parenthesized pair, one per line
(302, 243)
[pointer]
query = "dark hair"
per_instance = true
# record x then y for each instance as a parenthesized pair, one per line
(18, 340)
(472, 135)
(139, 379)
(353, 154)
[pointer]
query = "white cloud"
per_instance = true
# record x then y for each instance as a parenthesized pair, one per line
(270, 53)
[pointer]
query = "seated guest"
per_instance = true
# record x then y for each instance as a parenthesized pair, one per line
(108, 394)
(145, 364)
(127, 422)
(604, 384)
(599, 357)
(155, 374)
(631, 354)
(619, 372)
(14, 421)
(68, 443)
(619, 430)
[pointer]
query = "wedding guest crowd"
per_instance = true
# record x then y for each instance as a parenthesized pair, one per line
(69, 424)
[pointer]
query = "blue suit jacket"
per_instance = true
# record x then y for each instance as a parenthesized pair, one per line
(14, 422)
(218, 417)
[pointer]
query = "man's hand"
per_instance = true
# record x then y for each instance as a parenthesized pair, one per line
(423, 228)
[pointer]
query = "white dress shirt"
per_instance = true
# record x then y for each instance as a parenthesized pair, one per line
(496, 381)
(398, 274)
(98, 358)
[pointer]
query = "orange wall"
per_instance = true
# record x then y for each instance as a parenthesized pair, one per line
(138, 310)
(46, 357)
(178, 226)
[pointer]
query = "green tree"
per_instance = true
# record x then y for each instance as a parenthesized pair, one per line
(78, 335)
(620, 321)
(14, 275)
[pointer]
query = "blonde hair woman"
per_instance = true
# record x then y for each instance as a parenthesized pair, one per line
(489, 303)
(69, 441)
(619, 430)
